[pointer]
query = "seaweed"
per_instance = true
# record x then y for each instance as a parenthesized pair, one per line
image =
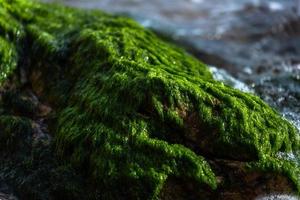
(133, 110)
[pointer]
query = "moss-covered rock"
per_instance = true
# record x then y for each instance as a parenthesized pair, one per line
(14, 131)
(133, 110)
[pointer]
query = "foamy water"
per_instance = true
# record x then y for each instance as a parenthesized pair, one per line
(278, 197)
(223, 76)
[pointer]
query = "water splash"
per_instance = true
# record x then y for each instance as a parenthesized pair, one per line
(226, 78)
(278, 197)
(293, 117)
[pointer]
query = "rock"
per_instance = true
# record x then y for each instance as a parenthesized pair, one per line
(131, 116)
(7, 197)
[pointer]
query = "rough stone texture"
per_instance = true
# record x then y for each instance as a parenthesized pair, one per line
(6, 197)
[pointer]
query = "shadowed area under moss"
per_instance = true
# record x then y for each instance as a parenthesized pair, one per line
(132, 110)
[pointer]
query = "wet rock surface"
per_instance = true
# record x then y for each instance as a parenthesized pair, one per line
(235, 182)
(28, 167)
(34, 172)
(7, 197)
(233, 176)
(257, 42)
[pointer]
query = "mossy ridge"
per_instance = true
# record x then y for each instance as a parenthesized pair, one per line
(11, 31)
(7, 59)
(126, 91)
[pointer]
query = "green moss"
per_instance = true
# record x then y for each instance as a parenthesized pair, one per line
(135, 109)
(10, 32)
(289, 168)
(14, 131)
(7, 58)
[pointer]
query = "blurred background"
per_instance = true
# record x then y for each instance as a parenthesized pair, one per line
(253, 45)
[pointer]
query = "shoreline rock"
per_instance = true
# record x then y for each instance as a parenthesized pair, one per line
(127, 111)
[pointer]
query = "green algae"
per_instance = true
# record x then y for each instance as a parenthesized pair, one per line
(288, 168)
(10, 32)
(133, 109)
(13, 132)
(7, 59)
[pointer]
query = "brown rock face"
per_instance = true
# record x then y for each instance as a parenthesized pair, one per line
(236, 182)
